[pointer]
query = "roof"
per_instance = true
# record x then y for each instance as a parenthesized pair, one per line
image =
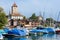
(16, 14)
(14, 5)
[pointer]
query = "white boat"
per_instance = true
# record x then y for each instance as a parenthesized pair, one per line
(57, 30)
(1, 37)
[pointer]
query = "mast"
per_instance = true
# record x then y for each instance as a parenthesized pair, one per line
(58, 16)
(43, 18)
(58, 19)
(39, 17)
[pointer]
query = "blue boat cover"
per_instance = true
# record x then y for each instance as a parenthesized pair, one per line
(17, 32)
(6, 30)
(36, 30)
(2, 31)
(49, 29)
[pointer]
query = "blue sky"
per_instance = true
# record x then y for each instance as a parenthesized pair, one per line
(27, 7)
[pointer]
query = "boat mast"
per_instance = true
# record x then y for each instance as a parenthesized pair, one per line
(43, 18)
(50, 21)
(58, 18)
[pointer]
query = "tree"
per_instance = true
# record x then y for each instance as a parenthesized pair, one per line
(1, 9)
(24, 17)
(50, 21)
(33, 17)
(3, 18)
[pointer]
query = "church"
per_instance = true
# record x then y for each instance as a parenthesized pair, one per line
(14, 15)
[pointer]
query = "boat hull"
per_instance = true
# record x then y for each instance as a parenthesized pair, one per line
(57, 31)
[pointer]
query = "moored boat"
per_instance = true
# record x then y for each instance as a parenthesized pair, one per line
(1, 37)
(37, 31)
(18, 32)
(44, 30)
(50, 30)
(57, 30)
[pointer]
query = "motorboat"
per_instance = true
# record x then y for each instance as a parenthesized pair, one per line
(50, 30)
(37, 31)
(57, 30)
(17, 32)
(2, 31)
(1, 37)
(44, 30)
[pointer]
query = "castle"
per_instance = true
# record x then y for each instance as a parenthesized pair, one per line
(16, 18)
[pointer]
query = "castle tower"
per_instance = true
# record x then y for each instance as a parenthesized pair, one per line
(14, 12)
(14, 8)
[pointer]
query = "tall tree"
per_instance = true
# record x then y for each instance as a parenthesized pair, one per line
(3, 18)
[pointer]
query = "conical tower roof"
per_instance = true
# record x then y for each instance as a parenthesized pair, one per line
(14, 5)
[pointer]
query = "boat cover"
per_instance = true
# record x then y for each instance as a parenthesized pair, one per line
(6, 30)
(17, 32)
(49, 29)
(36, 30)
(2, 31)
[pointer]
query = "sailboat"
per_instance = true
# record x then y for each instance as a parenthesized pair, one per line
(57, 29)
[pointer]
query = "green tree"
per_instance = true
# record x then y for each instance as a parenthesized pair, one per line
(49, 21)
(1, 9)
(24, 17)
(3, 18)
(33, 17)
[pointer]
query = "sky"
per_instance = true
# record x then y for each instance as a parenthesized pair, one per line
(50, 8)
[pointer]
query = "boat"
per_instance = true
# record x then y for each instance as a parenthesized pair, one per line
(2, 32)
(57, 30)
(17, 32)
(43, 30)
(37, 31)
(50, 30)
(1, 37)
(6, 30)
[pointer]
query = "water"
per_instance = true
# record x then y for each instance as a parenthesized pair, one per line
(43, 37)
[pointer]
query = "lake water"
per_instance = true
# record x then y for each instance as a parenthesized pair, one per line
(35, 37)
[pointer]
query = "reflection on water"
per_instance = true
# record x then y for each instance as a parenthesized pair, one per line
(44, 37)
